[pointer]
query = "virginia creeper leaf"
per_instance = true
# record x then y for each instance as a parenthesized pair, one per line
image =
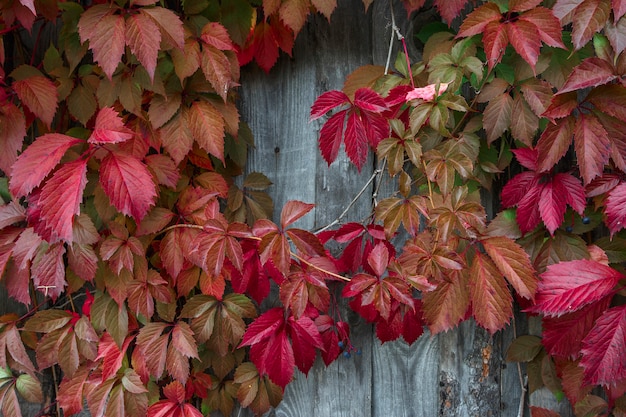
(568, 286)
(513, 262)
(144, 39)
(492, 304)
(128, 184)
(39, 94)
(12, 133)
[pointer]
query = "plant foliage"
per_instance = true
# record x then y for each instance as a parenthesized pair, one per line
(144, 262)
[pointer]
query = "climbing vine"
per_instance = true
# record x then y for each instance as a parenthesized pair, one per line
(144, 254)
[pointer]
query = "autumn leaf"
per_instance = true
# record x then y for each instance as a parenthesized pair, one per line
(492, 304)
(514, 263)
(12, 133)
(36, 92)
(602, 349)
(128, 184)
(568, 286)
(143, 38)
(109, 128)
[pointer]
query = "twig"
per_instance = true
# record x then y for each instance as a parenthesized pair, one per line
(322, 270)
(522, 401)
(393, 23)
(56, 390)
(354, 200)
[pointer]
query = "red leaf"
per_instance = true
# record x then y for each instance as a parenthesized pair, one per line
(589, 17)
(552, 206)
(547, 24)
(206, 124)
(568, 286)
(356, 139)
(447, 305)
(610, 99)
(70, 397)
(368, 100)
(572, 189)
(477, 21)
(592, 146)
(554, 143)
(615, 208)
(36, 162)
(592, 72)
(450, 9)
(144, 40)
(305, 339)
(378, 259)
(128, 184)
(105, 32)
(48, 271)
(527, 157)
(293, 211)
(109, 128)
(61, 197)
(524, 37)
(217, 69)
(517, 188)
(326, 102)
(495, 40)
(39, 94)
(330, 136)
(603, 349)
(492, 304)
(542, 412)
(11, 213)
(12, 132)
(563, 336)
(265, 46)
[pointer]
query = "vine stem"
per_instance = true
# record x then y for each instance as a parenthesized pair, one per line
(522, 401)
(352, 203)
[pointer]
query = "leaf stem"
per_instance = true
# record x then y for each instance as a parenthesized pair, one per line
(322, 270)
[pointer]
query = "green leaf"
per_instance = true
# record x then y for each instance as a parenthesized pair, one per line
(524, 349)
(29, 388)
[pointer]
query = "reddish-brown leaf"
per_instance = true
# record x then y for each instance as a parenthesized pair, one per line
(36, 162)
(538, 94)
(217, 69)
(105, 32)
(525, 124)
(206, 125)
(590, 16)
(547, 24)
(495, 40)
(610, 99)
(477, 21)
(592, 72)
(39, 94)
(265, 46)
(615, 208)
(447, 305)
(592, 146)
(128, 184)
(603, 349)
(542, 412)
(514, 263)
(294, 13)
(144, 39)
(169, 24)
(177, 137)
(497, 116)
(492, 304)
(568, 286)
(450, 9)
(12, 132)
(70, 395)
(524, 36)
(48, 271)
(293, 211)
(554, 143)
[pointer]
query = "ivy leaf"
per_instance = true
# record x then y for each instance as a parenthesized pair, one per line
(603, 349)
(109, 128)
(450, 9)
(554, 142)
(492, 304)
(36, 162)
(497, 116)
(589, 17)
(169, 24)
(615, 208)
(568, 286)
(293, 211)
(128, 184)
(12, 133)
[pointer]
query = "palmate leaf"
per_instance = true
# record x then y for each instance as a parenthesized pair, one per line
(603, 349)
(128, 184)
(592, 146)
(144, 39)
(568, 286)
(514, 263)
(37, 92)
(450, 9)
(589, 17)
(447, 305)
(109, 128)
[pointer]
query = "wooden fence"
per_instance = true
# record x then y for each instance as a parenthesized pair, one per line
(458, 373)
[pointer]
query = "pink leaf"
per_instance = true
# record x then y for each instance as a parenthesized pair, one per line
(615, 208)
(12, 132)
(293, 211)
(128, 184)
(109, 128)
(427, 93)
(106, 38)
(592, 72)
(48, 271)
(331, 135)
(36, 162)
(39, 94)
